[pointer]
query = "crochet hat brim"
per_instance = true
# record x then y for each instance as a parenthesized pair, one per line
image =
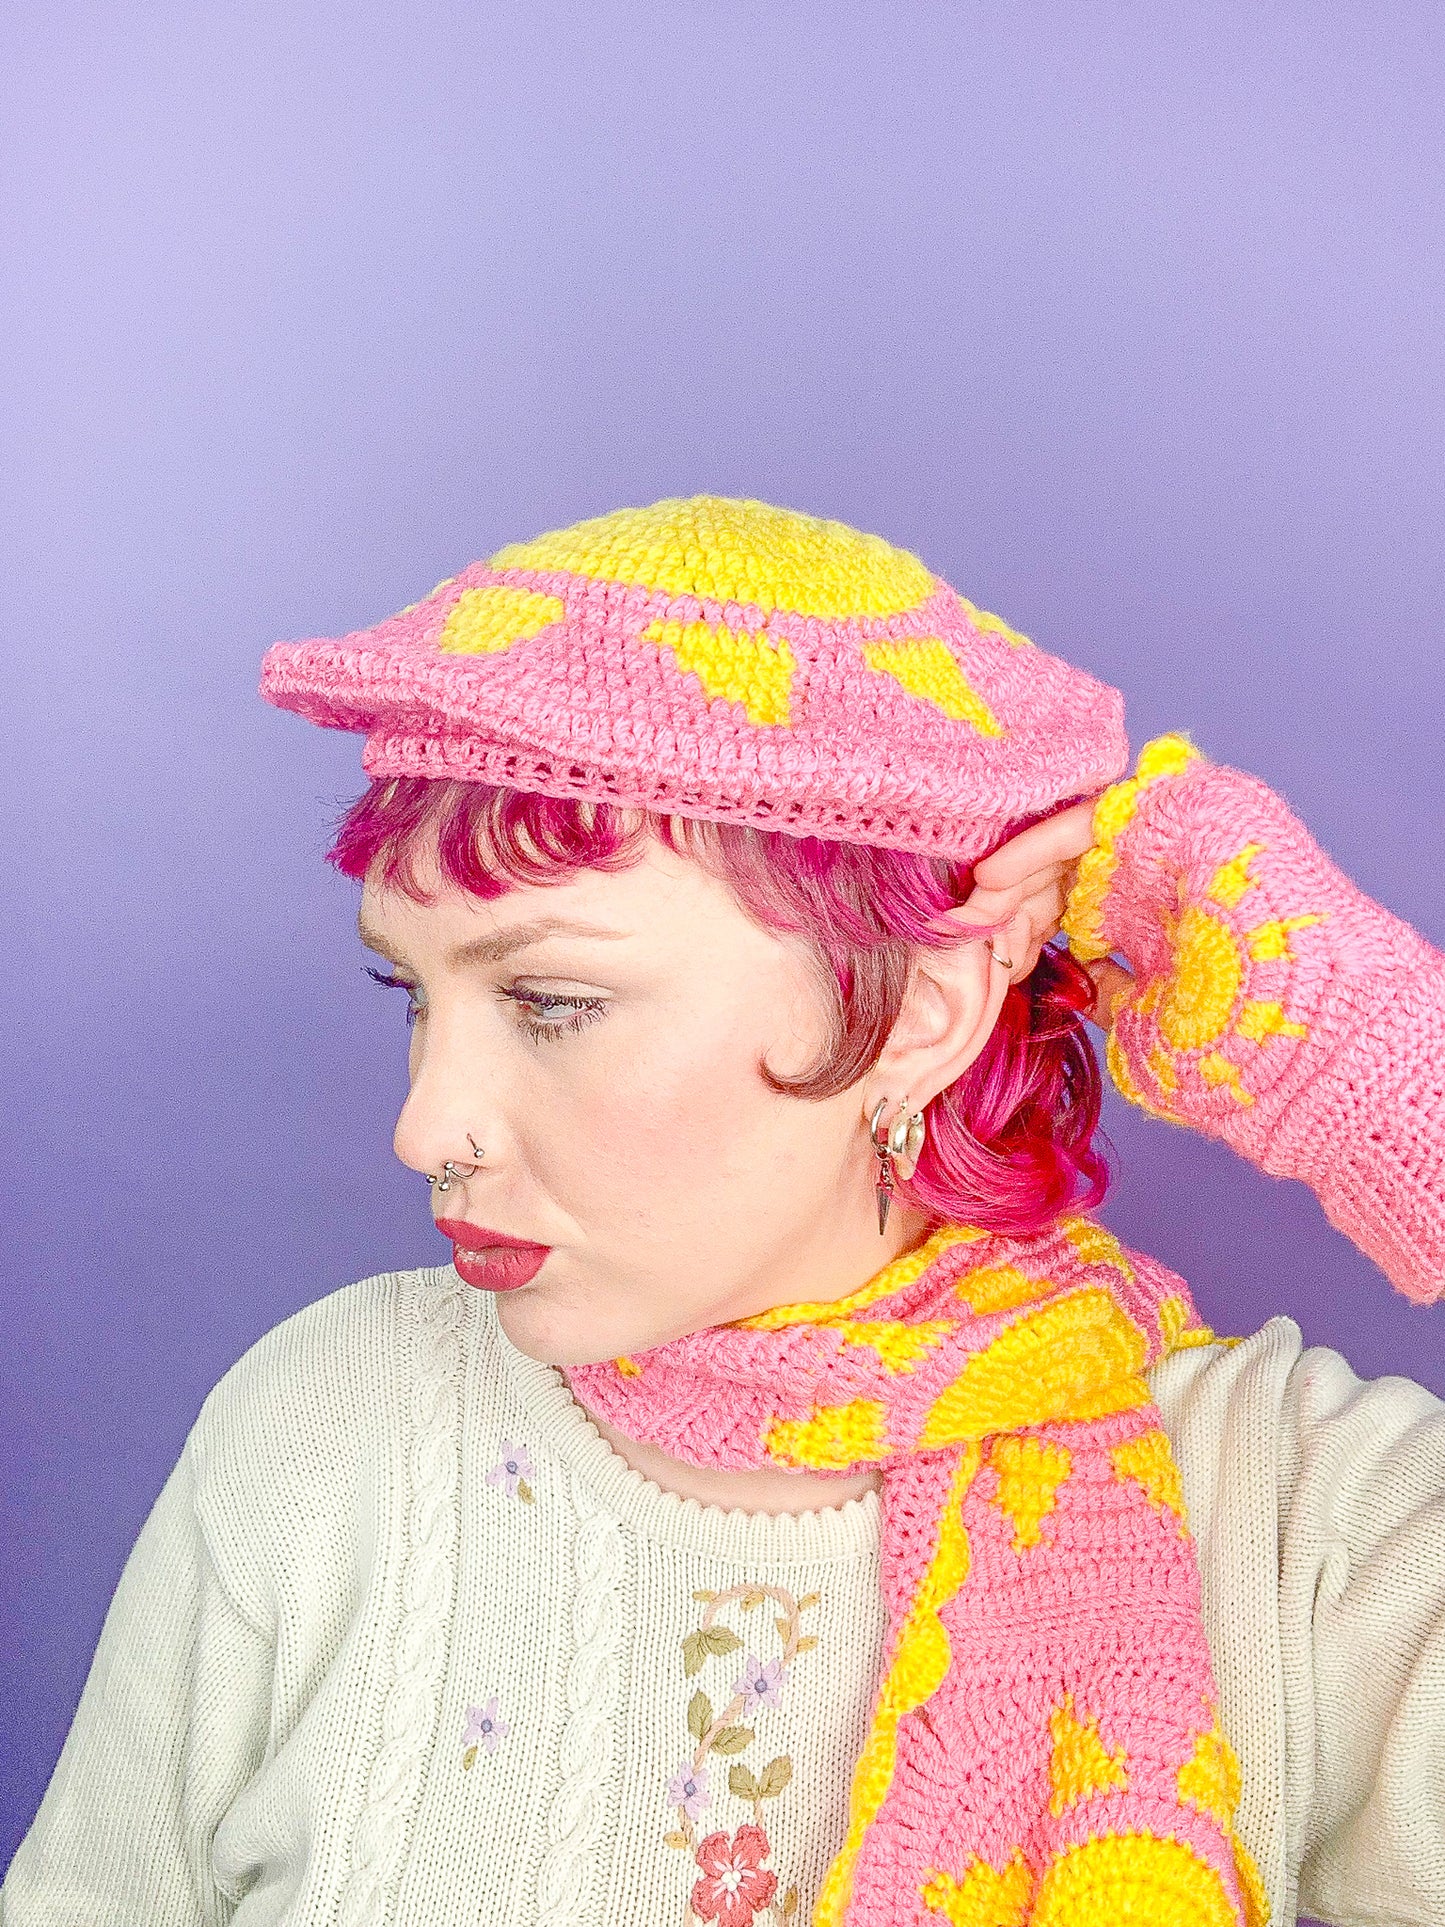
(933, 727)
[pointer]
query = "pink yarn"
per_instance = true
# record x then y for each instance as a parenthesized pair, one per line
(1095, 1624)
(1010, 1144)
(1322, 1058)
(586, 705)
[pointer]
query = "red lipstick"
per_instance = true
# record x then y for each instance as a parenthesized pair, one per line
(490, 1259)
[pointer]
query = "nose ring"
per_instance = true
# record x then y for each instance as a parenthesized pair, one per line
(444, 1183)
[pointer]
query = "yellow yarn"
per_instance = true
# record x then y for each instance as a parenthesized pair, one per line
(1204, 982)
(1232, 879)
(495, 617)
(1083, 919)
(983, 1897)
(1077, 1357)
(1150, 1463)
(926, 668)
(1267, 941)
(991, 625)
(1216, 1068)
(746, 666)
(1210, 1777)
(919, 1667)
(1173, 1330)
(991, 1288)
(1080, 1765)
(834, 1437)
(1096, 1245)
(1030, 1471)
(1251, 1885)
(893, 1277)
(1264, 1017)
(735, 551)
(1128, 1877)
(899, 1347)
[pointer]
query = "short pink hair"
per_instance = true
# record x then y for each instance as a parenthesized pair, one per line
(1010, 1144)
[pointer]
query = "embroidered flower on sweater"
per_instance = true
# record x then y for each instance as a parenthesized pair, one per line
(688, 1789)
(760, 1685)
(736, 1889)
(734, 1881)
(514, 1471)
(484, 1729)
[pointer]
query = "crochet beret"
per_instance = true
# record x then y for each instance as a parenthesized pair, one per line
(726, 659)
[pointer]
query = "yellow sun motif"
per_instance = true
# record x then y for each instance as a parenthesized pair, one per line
(925, 667)
(984, 1897)
(735, 551)
(493, 618)
(745, 666)
(1193, 1007)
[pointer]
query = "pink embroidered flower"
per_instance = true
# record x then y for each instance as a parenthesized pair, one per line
(759, 1685)
(514, 1470)
(689, 1789)
(734, 1883)
(484, 1728)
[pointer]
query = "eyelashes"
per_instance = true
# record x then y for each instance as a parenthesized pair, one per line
(583, 1009)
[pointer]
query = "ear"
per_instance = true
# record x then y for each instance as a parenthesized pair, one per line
(947, 1016)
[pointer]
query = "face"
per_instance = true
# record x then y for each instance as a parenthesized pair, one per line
(610, 1079)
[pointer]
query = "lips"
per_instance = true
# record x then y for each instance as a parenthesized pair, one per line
(490, 1259)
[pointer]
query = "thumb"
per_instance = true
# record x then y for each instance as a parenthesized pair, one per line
(1113, 982)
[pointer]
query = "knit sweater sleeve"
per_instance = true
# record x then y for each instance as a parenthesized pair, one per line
(1362, 1616)
(1275, 1005)
(172, 1723)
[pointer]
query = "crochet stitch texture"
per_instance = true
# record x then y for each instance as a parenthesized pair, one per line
(1045, 1744)
(1045, 1747)
(723, 659)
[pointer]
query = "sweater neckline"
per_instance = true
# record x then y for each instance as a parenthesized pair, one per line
(845, 1532)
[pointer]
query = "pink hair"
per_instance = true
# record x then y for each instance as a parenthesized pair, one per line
(1010, 1143)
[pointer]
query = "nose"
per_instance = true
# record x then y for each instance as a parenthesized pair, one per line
(447, 1125)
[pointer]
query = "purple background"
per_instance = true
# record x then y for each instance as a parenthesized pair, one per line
(1128, 319)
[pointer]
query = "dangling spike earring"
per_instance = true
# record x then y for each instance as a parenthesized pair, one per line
(883, 1181)
(903, 1139)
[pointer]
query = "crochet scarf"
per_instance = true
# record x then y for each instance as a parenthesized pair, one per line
(1044, 1746)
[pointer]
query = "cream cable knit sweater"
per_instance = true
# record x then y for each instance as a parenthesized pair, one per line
(403, 1641)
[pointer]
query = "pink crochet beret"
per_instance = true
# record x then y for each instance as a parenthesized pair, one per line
(721, 658)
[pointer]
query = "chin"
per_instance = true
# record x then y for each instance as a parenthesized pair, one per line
(553, 1336)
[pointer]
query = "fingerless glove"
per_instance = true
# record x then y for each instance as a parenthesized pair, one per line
(1275, 1005)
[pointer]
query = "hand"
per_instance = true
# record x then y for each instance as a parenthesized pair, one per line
(1028, 879)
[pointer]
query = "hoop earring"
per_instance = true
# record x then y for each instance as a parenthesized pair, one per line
(904, 1138)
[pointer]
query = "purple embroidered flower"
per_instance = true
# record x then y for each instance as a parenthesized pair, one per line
(514, 1471)
(760, 1685)
(483, 1726)
(689, 1789)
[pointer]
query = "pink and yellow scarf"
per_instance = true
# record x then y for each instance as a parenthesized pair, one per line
(1044, 1748)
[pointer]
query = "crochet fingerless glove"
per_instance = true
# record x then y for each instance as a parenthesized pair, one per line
(1275, 1005)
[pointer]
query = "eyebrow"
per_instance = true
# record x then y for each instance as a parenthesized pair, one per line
(492, 949)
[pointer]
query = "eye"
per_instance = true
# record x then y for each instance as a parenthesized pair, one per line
(539, 1012)
(413, 1008)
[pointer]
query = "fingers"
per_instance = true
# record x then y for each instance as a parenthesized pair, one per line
(1114, 981)
(1060, 839)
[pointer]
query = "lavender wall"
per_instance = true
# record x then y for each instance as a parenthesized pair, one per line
(1127, 318)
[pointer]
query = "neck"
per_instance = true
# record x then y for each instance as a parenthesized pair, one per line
(769, 1489)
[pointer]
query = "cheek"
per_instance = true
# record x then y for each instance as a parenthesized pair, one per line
(667, 1109)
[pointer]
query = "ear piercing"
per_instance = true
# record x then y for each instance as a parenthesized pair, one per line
(902, 1139)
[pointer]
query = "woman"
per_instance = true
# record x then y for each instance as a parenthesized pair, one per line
(791, 1504)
